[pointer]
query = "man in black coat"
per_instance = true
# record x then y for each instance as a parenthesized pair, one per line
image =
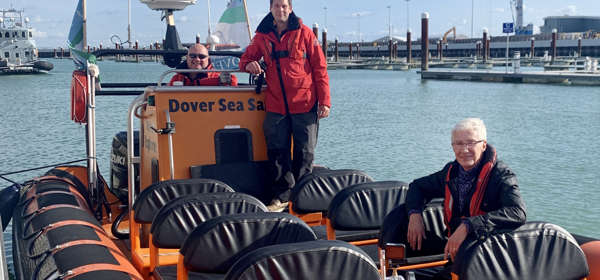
(481, 195)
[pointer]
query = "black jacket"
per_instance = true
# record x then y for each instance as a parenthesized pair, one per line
(502, 201)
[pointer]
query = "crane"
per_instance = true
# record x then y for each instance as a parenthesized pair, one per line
(453, 30)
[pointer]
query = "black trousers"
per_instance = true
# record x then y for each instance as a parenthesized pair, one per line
(279, 132)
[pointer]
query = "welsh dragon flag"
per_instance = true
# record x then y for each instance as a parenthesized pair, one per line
(75, 40)
(232, 26)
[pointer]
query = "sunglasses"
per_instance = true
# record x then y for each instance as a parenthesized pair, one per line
(198, 55)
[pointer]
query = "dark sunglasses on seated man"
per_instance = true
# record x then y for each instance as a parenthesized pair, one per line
(198, 55)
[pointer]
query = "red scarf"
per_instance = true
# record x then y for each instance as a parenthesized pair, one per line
(477, 198)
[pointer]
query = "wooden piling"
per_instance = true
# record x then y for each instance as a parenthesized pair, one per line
(324, 45)
(390, 49)
(316, 30)
(350, 49)
(408, 47)
(532, 54)
(553, 45)
(425, 41)
(579, 49)
(485, 45)
(337, 54)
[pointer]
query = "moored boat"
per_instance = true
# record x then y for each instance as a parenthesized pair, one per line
(64, 228)
(18, 52)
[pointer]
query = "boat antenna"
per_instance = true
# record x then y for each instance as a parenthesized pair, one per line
(209, 33)
(247, 20)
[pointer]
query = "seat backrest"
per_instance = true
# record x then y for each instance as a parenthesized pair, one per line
(314, 191)
(157, 195)
(250, 177)
(176, 220)
(321, 259)
(536, 250)
(217, 243)
(364, 206)
(395, 224)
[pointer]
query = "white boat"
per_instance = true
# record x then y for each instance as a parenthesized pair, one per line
(18, 52)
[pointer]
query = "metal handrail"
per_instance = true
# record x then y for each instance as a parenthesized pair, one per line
(131, 158)
(3, 265)
(160, 79)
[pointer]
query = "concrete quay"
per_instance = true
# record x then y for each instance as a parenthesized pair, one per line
(553, 77)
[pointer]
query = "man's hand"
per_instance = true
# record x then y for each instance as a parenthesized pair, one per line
(253, 68)
(225, 78)
(416, 231)
(323, 111)
(455, 240)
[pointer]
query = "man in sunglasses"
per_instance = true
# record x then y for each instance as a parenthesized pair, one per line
(481, 195)
(197, 58)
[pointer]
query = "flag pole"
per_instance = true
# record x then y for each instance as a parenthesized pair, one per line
(247, 20)
(84, 16)
(91, 118)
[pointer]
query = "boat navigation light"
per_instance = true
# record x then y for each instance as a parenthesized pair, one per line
(168, 4)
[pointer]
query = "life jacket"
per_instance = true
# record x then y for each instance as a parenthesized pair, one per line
(477, 198)
(302, 78)
(202, 79)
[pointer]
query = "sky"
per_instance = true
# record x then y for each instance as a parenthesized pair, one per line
(348, 20)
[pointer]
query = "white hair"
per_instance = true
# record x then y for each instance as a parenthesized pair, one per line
(473, 124)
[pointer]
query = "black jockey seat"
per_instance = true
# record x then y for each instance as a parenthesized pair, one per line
(356, 213)
(310, 197)
(214, 246)
(152, 199)
(536, 250)
(321, 259)
(396, 250)
(176, 220)
(250, 177)
(157, 195)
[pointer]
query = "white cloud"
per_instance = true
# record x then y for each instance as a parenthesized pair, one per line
(499, 10)
(39, 34)
(568, 11)
(184, 19)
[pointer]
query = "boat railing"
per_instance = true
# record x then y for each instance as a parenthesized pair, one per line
(135, 105)
(162, 77)
(3, 266)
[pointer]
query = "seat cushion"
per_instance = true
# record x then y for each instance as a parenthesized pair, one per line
(321, 259)
(314, 191)
(536, 250)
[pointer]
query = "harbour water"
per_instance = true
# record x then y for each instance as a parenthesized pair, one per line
(388, 123)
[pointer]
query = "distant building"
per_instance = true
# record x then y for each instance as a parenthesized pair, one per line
(385, 39)
(524, 30)
(570, 24)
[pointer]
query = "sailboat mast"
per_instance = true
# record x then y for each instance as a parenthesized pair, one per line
(247, 20)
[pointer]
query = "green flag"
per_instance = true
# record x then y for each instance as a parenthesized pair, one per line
(75, 40)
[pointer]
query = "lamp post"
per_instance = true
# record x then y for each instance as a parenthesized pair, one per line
(390, 21)
(325, 10)
(472, 11)
(359, 34)
(407, 16)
